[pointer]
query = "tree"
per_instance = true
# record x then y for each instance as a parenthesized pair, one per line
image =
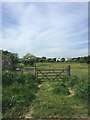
(82, 60)
(62, 59)
(38, 59)
(54, 59)
(43, 59)
(9, 60)
(29, 59)
(49, 60)
(88, 59)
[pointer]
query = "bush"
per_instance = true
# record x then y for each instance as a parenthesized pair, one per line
(72, 80)
(82, 91)
(8, 78)
(18, 92)
(60, 88)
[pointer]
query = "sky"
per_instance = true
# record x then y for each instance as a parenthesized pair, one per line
(45, 28)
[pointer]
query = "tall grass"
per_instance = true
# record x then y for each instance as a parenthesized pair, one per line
(18, 91)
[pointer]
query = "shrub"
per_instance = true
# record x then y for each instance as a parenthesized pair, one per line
(72, 80)
(8, 77)
(60, 88)
(82, 90)
(18, 92)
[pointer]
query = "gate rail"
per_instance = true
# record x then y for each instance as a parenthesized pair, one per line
(47, 73)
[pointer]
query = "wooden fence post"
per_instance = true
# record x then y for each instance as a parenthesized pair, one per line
(35, 70)
(68, 70)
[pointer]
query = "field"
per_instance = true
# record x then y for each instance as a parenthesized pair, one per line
(50, 102)
(57, 99)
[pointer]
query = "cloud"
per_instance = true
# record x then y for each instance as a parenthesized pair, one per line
(45, 0)
(45, 29)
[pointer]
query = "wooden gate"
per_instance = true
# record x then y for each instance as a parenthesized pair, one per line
(47, 73)
(51, 74)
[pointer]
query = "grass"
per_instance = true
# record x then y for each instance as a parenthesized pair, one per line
(18, 91)
(53, 102)
(23, 96)
(76, 68)
(48, 104)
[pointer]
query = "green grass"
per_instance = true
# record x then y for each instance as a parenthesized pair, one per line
(76, 68)
(47, 99)
(53, 101)
(49, 104)
(18, 91)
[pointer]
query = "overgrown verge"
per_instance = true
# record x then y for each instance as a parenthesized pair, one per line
(56, 100)
(78, 85)
(18, 91)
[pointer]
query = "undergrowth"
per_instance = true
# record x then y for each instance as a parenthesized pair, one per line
(18, 91)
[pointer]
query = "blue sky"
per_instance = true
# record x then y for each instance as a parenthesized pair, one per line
(45, 29)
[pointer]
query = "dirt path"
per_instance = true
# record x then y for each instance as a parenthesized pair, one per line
(72, 93)
(29, 114)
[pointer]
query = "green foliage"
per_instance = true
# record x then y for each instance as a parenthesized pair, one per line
(50, 60)
(60, 88)
(72, 80)
(8, 78)
(62, 59)
(29, 59)
(85, 59)
(18, 91)
(52, 101)
(9, 60)
(82, 90)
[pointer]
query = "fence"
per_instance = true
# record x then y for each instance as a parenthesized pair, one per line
(47, 73)
(51, 74)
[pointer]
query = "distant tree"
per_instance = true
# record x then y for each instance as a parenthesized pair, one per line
(49, 59)
(82, 60)
(69, 59)
(62, 59)
(54, 59)
(78, 59)
(29, 59)
(88, 59)
(38, 59)
(74, 60)
(43, 59)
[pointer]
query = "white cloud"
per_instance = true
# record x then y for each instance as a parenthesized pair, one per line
(45, 0)
(45, 29)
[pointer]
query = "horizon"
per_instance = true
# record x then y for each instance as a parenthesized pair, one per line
(47, 57)
(45, 29)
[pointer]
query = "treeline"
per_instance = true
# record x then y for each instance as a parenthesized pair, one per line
(85, 59)
(11, 60)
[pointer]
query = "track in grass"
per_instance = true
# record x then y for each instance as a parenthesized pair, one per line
(48, 104)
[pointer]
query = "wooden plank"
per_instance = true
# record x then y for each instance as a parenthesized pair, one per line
(59, 74)
(49, 69)
(51, 72)
(48, 78)
(40, 74)
(45, 73)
